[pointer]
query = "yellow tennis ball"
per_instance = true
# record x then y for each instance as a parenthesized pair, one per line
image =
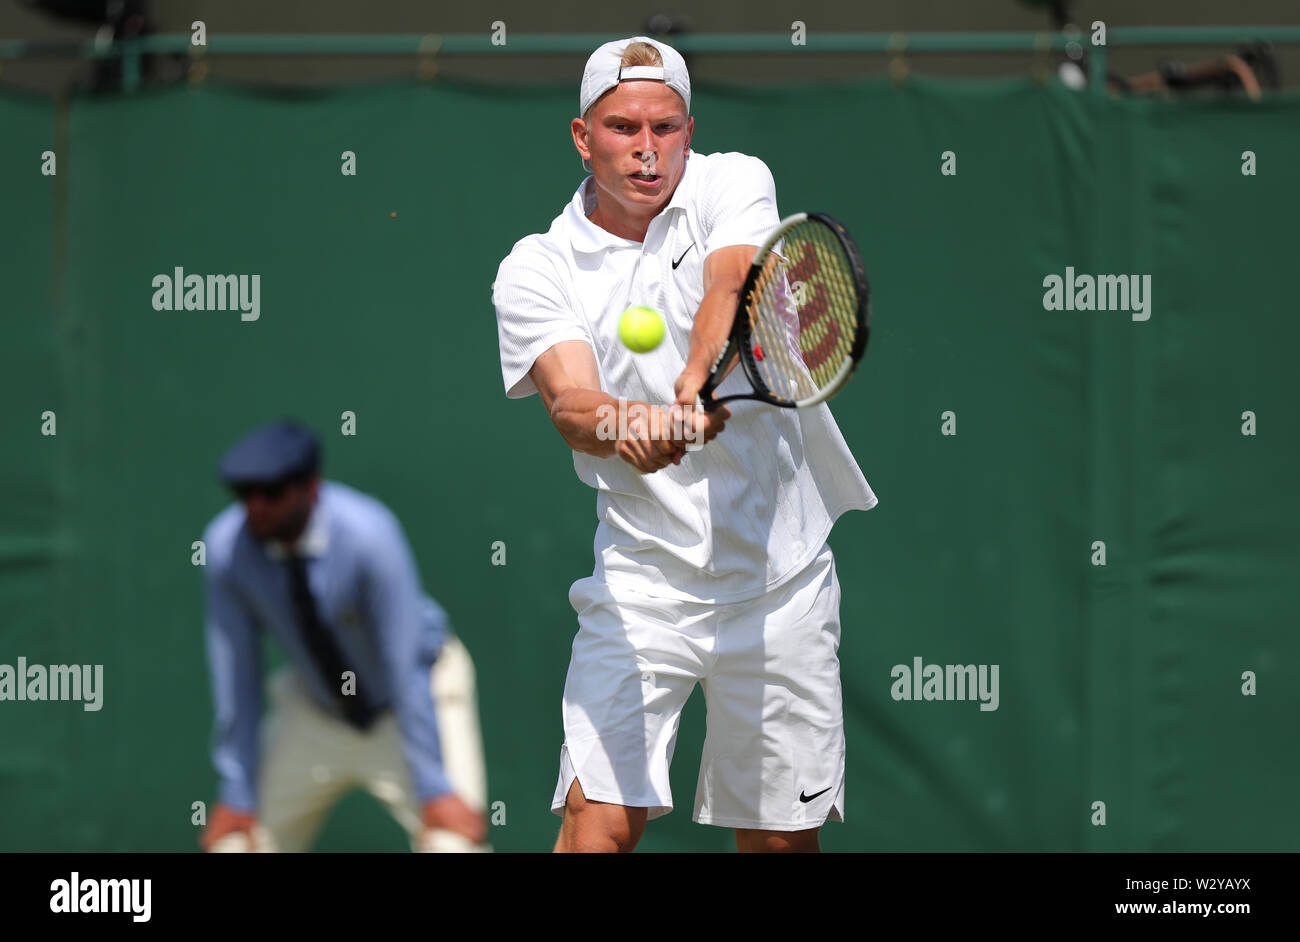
(641, 329)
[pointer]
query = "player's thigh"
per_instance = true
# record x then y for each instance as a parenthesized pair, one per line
(634, 663)
(774, 744)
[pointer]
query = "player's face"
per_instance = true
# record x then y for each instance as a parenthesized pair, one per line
(640, 126)
(278, 511)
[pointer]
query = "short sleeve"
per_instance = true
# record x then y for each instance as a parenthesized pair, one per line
(533, 315)
(739, 206)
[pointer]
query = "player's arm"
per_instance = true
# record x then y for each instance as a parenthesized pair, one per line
(587, 418)
(725, 270)
(235, 665)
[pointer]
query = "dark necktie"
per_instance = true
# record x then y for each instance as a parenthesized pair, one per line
(323, 649)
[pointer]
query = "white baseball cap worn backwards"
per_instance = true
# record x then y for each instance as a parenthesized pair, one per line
(603, 72)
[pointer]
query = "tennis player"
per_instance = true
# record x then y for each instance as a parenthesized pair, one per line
(711, 563)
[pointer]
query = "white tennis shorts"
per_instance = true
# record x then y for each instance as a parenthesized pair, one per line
(774, 747)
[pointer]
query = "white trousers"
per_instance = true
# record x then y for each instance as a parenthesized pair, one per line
(310, 760)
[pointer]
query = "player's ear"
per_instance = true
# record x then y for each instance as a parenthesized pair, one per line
(581, 138)
(690, 129)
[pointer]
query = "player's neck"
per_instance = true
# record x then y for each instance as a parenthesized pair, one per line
(623, 225)
(626, 223)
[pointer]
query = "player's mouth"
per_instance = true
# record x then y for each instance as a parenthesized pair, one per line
(647, 180)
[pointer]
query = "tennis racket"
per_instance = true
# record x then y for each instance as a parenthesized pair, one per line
(805, 310)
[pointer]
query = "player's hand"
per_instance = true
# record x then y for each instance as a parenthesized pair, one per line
(649, 443)
(707, 424)
(449, 813)
(226, 821)
(659, 436)
(687, 387)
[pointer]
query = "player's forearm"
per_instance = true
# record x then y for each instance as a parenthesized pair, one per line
(582, 417)
(712, 325)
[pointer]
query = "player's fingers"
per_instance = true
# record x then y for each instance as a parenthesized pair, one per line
(680, 390)
(657, 462)
(687, 387)
(709, 424)
(661, 444)
(637, 443)
(639, 454)
(673, 423)
(683, 428)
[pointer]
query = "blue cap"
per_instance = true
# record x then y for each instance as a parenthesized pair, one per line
(271, 453)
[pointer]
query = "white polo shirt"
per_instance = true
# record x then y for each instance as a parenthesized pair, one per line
(752, 507)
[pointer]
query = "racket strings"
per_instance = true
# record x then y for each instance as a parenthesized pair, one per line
(828, 314)
(804, 313)
(775, 324)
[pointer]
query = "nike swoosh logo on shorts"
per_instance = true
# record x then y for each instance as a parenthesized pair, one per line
(679, 261)
(807, 798)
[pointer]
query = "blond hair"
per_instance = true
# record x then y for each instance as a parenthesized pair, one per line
(639, 53)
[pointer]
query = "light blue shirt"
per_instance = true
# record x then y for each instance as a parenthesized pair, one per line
(367, 589)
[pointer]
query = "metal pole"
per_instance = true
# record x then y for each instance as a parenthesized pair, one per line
(1097, 75)
(130, 65)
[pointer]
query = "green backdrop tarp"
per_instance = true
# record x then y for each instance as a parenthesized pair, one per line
(1119, 683)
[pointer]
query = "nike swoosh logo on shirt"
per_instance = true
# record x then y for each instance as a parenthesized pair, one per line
(679, 261)
(807, 798)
